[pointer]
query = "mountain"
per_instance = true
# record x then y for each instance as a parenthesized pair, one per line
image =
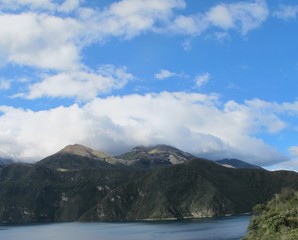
(235, 163)
(80, 184)
(155, 156)
(74, 157)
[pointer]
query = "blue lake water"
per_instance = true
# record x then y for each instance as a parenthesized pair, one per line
(227, 228)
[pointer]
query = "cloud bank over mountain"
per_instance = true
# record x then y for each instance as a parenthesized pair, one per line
(71, 73)
(196, 123)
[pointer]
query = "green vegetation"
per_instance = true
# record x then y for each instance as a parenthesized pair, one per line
(79, 185)
(278, 219)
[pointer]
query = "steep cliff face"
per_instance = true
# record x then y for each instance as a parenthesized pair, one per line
(80, 185)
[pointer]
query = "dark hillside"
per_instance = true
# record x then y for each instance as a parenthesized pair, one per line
(78, 186)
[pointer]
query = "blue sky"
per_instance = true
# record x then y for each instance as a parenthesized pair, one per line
(214, 78)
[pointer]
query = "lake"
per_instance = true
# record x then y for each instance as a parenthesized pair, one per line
(226, 228)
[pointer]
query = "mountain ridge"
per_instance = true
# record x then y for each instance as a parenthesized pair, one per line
(72, 185)
(236, 163)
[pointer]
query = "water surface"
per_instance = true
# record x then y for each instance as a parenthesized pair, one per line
(228, 228)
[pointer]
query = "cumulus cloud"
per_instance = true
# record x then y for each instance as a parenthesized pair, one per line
(39, 40)
(221, 16)
(196, 123)
(42, 38)
(28, 135)
(243, 16)
(286, 12)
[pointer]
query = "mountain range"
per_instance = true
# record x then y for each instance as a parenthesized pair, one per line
(147, 183)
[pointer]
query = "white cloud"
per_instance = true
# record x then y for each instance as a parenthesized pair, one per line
(129, 18)
(69, 5)
(249, 15)
(244, 16)
(28, 135)
(202, 79)
(291, 164)
(31, 4)
(286, 12)
(40, 5)
(188, 25)
(81, 85)
(40, 37)
(39, 40)
(265, 115)
(221, 16)
(163, 74)
(196, 123)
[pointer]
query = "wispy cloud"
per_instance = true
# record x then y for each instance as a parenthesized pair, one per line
(4, 84)
(293, 150)
(291, 164)
(202, 79)
(286, 12)
(44, 5)
(242, 16)
(163, 74)
(81, 85)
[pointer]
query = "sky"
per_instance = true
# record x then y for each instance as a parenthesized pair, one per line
(217, 79)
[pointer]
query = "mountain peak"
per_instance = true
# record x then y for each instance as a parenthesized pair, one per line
(156, 148)
(78, 156)
(83, 151)
(158, 155)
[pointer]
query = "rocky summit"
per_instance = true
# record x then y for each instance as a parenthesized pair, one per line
(155, 156)
(159, 182)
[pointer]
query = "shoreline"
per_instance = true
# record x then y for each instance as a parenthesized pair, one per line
(144, 220)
